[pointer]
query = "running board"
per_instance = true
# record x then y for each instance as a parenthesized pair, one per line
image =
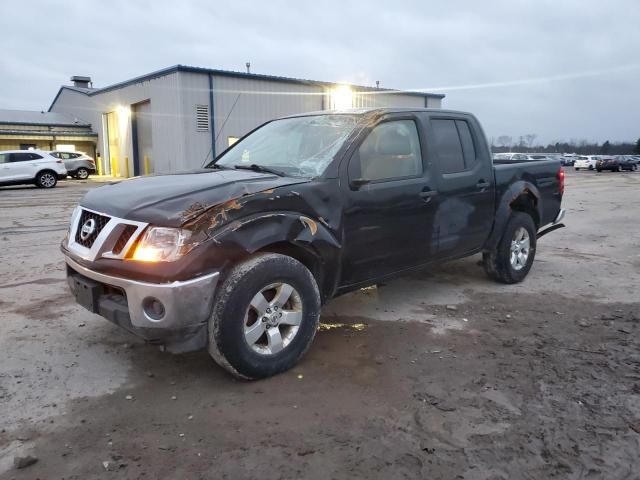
(550, 229)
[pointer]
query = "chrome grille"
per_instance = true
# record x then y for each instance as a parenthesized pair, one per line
(126, 234)
(100, 222)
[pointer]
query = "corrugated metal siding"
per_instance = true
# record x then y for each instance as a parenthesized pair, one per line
(256, 102)
(168, 134)
(431, 102)
(194, 90)
(372, 99)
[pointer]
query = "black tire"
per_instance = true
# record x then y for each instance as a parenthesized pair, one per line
(576, 169)
(82, 173)
(497, 263)
(227, 343)
(598, 170)
(46, 179)
(590, 167)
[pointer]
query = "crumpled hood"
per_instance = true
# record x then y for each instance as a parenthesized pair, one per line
(164, 199)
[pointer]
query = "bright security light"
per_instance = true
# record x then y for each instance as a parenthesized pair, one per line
(341, 98)
(123, 111)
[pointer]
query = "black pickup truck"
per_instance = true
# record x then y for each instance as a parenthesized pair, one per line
(239, 256)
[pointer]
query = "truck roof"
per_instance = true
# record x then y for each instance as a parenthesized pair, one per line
(378, 110)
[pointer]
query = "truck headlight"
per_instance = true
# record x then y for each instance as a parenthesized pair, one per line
(162, 244)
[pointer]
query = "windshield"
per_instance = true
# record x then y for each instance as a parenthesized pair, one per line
(299, 147)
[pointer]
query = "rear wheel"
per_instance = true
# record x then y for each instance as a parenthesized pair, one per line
(265, 316)
(46, 179)
(82, 173)
(511, 261)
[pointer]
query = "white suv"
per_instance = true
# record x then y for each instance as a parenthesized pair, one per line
(586, 161)
(30, 166)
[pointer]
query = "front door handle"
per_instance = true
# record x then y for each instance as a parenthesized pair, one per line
(482, 184)
(427, 194)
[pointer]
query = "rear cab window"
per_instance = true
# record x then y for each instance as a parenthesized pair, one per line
(454, 145)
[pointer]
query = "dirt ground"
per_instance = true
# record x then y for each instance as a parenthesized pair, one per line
(439, 375)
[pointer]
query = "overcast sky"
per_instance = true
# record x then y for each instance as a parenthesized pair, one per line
(559, 69)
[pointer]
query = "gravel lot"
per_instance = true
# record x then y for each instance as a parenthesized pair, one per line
(442, 374)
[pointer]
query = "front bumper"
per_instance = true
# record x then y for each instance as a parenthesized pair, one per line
(181, 322)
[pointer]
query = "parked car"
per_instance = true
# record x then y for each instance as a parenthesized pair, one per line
(616, 164)
(517, 157)
(78, 164)
(30, 166)
(568, 160)
(586, 161)
(238, 257)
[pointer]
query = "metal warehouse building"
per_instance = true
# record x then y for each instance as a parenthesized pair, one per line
(179, 117)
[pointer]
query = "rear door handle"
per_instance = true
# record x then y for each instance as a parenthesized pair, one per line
(482, 184)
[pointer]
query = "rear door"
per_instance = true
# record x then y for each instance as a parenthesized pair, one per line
(465, 183)
(388, 209)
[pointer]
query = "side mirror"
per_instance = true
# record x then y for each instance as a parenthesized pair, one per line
(359, 182)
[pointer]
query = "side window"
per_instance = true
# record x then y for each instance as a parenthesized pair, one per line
(468, 148)
(454, 144)
(391, 150)
(4, 158)
(34, 156)
(448, 146)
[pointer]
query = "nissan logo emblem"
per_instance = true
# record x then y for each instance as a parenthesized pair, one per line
(87, 229)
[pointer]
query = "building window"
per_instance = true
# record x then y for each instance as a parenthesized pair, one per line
(232, 140)
(202, 118)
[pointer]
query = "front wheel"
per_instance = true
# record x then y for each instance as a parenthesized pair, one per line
(511, 261)
(46, 179)
(265, 316)
(598, 170)
(82, 173)
(576, 169)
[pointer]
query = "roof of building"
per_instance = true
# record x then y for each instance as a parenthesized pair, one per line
(230, 73)
(30, 117)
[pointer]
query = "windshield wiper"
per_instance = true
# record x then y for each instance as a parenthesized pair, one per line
(259, 168)
(217, 166)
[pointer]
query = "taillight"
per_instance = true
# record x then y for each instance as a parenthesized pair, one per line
(561, 178)
(91, 161)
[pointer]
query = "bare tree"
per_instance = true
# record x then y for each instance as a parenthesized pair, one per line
(530, 138)
(505, 140)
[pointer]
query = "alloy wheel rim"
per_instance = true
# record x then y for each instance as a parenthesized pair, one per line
(82, 174)
(520, 249)
(47, 180)
(273, 318)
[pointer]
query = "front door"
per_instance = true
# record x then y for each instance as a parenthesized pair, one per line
(388, 213)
